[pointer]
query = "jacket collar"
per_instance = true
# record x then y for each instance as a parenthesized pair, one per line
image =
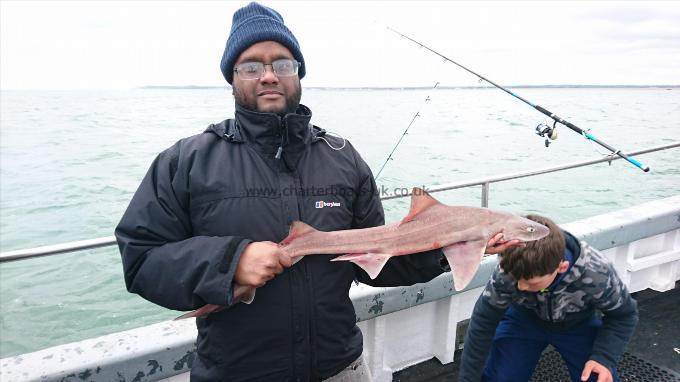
(269, 133)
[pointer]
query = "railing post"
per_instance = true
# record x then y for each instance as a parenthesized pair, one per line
(485, 194)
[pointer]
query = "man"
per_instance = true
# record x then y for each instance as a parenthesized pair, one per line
(550, 292)
(208, 214)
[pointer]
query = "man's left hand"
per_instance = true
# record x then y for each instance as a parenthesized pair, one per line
(497, 245)
(603, 373)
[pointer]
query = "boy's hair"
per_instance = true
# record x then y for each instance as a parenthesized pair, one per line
(538, 258)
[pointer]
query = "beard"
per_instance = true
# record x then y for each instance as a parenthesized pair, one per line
(247, 99)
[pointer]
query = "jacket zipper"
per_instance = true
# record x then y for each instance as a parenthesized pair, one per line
(284, 134)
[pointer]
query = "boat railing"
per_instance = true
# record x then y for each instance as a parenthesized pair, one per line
(401, 326)
(642, 242)
(48, 250)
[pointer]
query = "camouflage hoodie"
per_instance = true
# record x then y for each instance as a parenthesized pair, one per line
(589, 287)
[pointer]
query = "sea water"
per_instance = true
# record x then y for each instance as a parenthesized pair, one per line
(71, 160)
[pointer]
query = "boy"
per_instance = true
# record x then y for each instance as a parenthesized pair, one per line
(552, 291)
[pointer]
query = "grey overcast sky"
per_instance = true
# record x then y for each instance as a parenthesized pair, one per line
(125, 44)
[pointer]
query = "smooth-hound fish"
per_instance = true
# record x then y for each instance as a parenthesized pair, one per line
(461, 232)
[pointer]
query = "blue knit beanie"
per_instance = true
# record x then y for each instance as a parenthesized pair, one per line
(252, 24)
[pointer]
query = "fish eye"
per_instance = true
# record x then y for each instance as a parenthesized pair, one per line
(531, 229)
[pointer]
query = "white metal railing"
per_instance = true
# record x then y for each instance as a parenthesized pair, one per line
(23, 254)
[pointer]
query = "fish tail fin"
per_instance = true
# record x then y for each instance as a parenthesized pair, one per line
(244, 294)
(372, 263)
(297, 229)
(201, 312)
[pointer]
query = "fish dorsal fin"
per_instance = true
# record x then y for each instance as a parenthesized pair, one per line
(297, 229)
(420, 201)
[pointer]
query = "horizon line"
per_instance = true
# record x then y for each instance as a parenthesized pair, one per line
(447, 87)
(428, 87)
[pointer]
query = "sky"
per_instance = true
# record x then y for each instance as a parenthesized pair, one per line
(126, 44)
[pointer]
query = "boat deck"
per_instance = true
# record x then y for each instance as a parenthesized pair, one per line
(653, 353)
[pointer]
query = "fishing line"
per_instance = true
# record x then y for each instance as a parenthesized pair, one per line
(542, 130)
(416, 115)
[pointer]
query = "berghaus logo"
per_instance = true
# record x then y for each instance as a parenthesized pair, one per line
(322, 204)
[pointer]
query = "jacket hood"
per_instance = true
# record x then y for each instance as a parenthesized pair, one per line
(573, 246)
(579, 259)
(572, 254)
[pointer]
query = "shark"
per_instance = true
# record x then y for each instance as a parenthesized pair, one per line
(461, 232)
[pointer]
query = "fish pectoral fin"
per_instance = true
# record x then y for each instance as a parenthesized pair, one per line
(464, 259)
(420, 201)
(297, 229)
(372, 263)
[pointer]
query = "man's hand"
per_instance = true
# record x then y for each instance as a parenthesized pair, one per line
(260, 262)
(603, 373)
(497, 245)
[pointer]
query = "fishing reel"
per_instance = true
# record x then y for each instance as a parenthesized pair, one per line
(543, 130)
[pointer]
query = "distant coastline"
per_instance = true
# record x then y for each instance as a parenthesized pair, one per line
(367, 88)
(198, 87)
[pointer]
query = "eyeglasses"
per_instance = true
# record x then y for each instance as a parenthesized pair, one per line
(254, 70)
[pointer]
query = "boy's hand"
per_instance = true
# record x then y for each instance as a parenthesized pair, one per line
(497, 245)
(603, 373)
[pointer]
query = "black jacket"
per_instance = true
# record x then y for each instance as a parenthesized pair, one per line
(208, 196)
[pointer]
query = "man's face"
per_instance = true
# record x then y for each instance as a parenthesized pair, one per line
(269, 93)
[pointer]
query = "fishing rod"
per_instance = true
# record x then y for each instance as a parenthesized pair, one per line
(416, 115)
(542, 130)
